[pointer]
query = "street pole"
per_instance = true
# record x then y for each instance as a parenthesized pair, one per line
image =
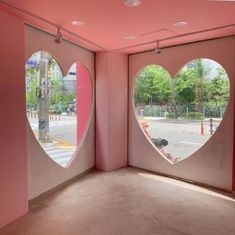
(211, 126)
(43, 92)
(202, 128)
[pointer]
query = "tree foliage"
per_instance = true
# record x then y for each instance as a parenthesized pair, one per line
(194, 86)
(31, 87)
(58, 97)
(152, 86)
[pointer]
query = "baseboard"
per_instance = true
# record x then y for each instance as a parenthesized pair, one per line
(60, 186)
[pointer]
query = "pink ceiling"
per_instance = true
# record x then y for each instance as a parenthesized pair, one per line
(108, 22)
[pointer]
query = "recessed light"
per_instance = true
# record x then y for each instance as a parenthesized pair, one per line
(181, 23)
(132, 3)
(77, 22)
(130, 37)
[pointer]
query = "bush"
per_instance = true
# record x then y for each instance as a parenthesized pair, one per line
(195, 116)
(171, 116)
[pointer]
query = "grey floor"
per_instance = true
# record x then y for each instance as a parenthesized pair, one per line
(125, 202)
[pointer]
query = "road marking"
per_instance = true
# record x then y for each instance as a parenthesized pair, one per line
(52, 151)
(192, 143)
(34, 126)
(58, 154)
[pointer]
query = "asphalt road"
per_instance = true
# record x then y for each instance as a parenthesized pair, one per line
(64, 129)
(66, 133)
(184, 137)
(63, 138)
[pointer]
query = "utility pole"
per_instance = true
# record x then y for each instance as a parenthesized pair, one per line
(211, 126)
(43, 97)
(198, 91)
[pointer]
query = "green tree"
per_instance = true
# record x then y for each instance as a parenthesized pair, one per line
(184, 86)
(219, 88)
(31, 87)
(193, 87)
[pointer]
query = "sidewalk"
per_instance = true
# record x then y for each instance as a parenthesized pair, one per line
(59, 150)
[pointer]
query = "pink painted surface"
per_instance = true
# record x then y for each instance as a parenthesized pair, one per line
(13, 160)
(84, 99)
(213, 163)
(111, 110)
(101, 138)
(151, 21)
(234, 155)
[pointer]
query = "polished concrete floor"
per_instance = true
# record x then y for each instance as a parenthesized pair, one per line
(128, 202)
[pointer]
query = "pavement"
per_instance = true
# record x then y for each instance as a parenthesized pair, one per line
(184, 136)
(63, 140)
(59, 152)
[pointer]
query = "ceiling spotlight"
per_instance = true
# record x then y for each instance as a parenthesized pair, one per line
(158, 49)
(130, 37)
(58, 38)
(77, 22)
(181, 23)
(132, 3)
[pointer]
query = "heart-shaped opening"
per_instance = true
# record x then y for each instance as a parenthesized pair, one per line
(58, 107)
(178, 116)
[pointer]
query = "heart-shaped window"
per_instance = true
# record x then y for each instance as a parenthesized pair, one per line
(179, 115)
(58, 107)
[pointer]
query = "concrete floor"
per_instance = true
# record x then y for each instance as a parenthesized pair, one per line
(125, 202)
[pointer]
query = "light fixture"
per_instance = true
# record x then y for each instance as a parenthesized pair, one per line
(58, 38)
(132, 3)
(157, 49)
(130, 37)
(181, 23)
(77, 22)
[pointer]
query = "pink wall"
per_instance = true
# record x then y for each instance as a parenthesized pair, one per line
(212, 164)
(111, 110)
(234, 157)
(13, 160)
(84, 99)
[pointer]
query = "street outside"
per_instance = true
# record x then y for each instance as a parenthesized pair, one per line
(184, 136)
(63, 137)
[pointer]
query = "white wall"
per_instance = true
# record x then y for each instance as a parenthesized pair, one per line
(212, 164)
(43, 173)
